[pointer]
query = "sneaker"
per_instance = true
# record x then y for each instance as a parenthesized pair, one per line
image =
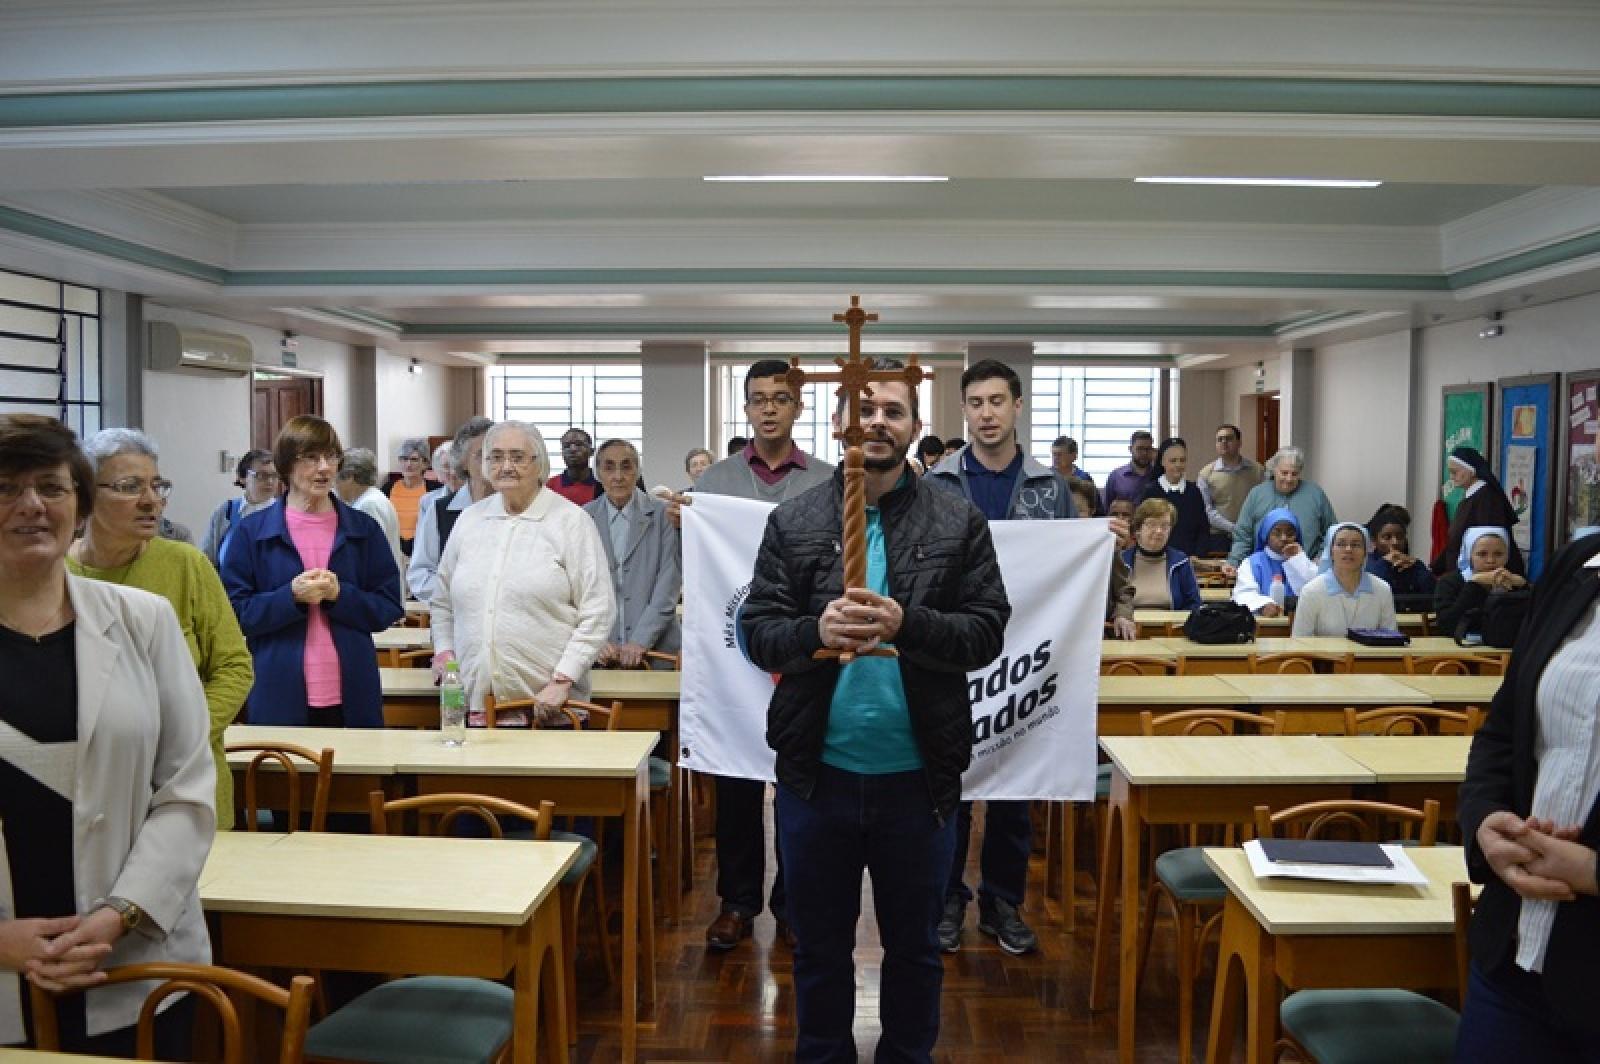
(1000, 919)
(955, 914)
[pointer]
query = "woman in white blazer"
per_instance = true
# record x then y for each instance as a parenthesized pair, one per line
(106, 780)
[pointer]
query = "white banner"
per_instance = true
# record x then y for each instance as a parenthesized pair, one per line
(1033, 708)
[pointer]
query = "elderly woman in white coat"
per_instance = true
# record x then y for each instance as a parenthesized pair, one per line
(1344, 595)
(106, 778)
(522, 598)
(643, 556)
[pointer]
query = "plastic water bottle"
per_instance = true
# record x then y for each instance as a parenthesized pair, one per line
(452, 706)
(1277, 594)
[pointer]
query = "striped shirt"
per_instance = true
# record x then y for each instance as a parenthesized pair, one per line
(1567, 749)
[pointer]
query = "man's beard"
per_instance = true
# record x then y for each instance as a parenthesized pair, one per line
(893, 461)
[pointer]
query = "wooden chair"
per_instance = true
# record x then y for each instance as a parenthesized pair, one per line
(218, 987)
(1412, 720)
(1298, 662)
(283, 755)
(1139, 666)
(1454, 665)
(396, 658)
(1345, 1026)
(464, 1019)
(1181, 876)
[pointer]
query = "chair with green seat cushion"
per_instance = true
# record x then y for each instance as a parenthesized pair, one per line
(421, 1020)
(660, 773)
(1102, 782)
(1369, 1026)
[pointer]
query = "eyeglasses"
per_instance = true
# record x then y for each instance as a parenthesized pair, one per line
(782, 401)
(263, 477)
(133, 487)
(515, 459)
(47, 490)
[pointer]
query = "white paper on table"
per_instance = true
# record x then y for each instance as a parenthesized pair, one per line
(1403, 871)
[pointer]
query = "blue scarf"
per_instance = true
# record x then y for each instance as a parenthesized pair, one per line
(1266, 564)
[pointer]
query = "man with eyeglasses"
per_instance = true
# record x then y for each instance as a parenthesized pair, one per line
(772, 469)
(576, 483)
(1224, 484)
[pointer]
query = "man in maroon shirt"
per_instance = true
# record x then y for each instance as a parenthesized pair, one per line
(577, 482)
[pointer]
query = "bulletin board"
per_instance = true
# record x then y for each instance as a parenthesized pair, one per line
(1464, 421)
(1580, 427)
(1530, 430)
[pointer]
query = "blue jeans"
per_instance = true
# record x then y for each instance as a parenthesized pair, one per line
(1007, 843)
(886, 826)
(1505, 1018)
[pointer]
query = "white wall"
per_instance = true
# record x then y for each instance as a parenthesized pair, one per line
(1200, 411)
(421, 404)
(1555, 338)
(1360, 424)
(1238, 398)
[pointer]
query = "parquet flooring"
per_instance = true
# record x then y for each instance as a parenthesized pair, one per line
(738, 1007)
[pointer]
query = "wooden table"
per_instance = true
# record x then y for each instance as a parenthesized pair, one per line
(1157, 622)
(410, 698)
(585, 773)
(1410, 769)
(1307, 935)
(1123, 698)
(1188, 779)
(1212, 658)
(391, 642)
(1316, 703)
(605, 774)
(1124, 649)
(1456, 692)
(375, 903)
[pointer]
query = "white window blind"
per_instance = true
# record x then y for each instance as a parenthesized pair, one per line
(50, 350)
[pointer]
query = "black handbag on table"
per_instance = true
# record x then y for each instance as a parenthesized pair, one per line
(1220, 622)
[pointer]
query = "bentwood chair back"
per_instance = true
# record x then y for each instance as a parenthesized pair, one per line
(1139, 666)
(1412, 720)
(217, 987)
(283, 756)
(1298, 662)
(1209, 722)
(1366, 821)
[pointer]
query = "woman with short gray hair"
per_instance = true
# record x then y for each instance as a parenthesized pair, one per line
(525, 573)
(407, 491)
(1284, 488)
(357, 485)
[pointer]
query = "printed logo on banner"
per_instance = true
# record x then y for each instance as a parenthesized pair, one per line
(1033, 729)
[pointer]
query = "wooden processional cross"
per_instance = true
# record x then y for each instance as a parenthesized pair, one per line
(855, 377)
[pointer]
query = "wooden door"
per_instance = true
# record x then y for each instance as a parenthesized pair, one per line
(275, 399)
(1266, 421)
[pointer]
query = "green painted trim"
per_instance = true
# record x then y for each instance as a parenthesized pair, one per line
(1359, 282)
(1306, 320)
(647, 330)
(73, 236)
(1550, 255)
(776, 94)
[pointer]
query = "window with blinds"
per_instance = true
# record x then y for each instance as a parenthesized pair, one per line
(1100, 407)
(50, 350)
(606, 400)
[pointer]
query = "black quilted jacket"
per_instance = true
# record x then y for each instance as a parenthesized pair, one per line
(942, 571)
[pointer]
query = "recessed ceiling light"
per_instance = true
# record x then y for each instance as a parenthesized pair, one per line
(899, 179)
(1267, 182)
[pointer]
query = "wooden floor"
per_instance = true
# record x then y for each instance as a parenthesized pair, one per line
(739, 1006)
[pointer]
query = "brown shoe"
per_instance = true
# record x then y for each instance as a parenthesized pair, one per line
(786, 934)
(726, 931)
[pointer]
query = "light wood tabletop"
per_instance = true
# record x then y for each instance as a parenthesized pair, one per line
(1284, 934)
(386, 903)
(1190, 649)
(623, 685)
(1167, 692)
(1145, 616)
(1407, 758)
(1172, 760)
(403, 638)
(356, 751)
(1457, 690)
(1321, 689)
(501, 751)
(383, 877)
(1122, 649)
(408, 683)
(1308, 907)
(417, 606)
(44, 1056)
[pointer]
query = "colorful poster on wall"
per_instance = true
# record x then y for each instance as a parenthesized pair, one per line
(1583, 452)
(1529, 453)
(1465, 423)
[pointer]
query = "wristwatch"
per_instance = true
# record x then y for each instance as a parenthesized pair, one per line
(132, 915)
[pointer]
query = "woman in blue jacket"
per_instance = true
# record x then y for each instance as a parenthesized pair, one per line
(1161, 576)
(311, 580)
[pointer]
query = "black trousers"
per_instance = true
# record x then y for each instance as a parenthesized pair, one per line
(742, 848)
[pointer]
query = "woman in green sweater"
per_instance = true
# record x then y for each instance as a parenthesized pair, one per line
(120, 546)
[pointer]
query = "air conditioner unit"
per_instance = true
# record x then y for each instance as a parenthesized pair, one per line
(177, 349)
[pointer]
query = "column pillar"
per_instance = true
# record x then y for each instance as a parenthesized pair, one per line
(1295, 397)
(676, 409)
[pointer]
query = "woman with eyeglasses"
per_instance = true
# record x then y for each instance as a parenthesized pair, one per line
(258, 478)
(310, 581)
(523, 593)
(106, 784)
(120, 545)
(1344, 595)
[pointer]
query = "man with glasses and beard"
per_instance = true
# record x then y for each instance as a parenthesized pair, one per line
(870, 753)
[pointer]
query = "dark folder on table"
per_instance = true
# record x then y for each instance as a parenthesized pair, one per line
(1325, 852)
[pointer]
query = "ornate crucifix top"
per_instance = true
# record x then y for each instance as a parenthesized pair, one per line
(855, 377)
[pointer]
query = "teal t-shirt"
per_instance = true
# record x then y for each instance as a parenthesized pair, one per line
(869, 723)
